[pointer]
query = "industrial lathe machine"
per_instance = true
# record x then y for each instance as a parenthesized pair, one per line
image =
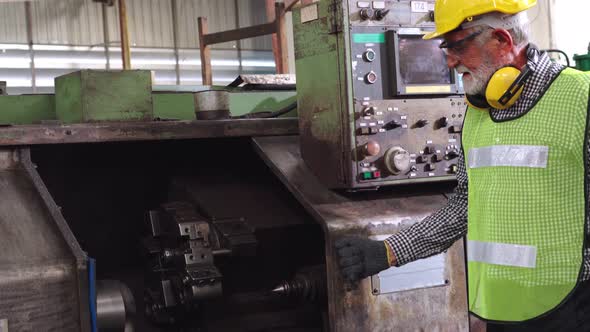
(132, 207)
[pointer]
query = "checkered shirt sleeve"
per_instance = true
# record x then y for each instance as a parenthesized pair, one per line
(437, 232)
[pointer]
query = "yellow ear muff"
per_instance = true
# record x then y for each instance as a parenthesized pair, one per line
(500, 84)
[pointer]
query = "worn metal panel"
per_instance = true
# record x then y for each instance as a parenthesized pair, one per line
(13, 27)
(43, 284)
(69, 22)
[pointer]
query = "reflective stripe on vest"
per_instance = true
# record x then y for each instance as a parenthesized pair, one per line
(509, 155)
(502, 254)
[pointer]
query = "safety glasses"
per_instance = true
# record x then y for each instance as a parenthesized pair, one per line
(458, 47)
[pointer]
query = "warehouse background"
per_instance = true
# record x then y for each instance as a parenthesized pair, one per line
(67, 35)
(70, 34)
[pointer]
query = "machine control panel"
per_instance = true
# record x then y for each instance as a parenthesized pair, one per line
(408, 139)
(392, 12)
(403, 108)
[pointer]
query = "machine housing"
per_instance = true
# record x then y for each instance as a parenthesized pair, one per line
(377, 104)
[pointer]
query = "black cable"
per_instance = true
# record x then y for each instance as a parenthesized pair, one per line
(567, 59)
(270, 87)
(261, 87)
(268, 115)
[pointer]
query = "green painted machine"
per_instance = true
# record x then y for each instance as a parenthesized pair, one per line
(91, 96)
(583, 61)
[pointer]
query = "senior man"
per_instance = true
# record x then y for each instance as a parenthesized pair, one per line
(523, 178)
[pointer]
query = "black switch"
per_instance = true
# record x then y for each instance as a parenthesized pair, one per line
(452, 154)
(453, 169)
(421, 123)
(456, 129)
(421, 159)
(392, 125)
(442, 122)
(437, 157)
(381, 13)
(429, 149)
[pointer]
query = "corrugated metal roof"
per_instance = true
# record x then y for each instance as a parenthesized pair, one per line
(70, 22)
(79, 22)
(13, 28)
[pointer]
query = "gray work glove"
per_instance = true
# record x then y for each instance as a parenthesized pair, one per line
(360, 258)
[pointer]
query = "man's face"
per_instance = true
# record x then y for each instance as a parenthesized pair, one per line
(472, 58)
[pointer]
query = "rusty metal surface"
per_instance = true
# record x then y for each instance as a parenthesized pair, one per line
(144, 131)
(279, 79)
(43, 276)
(368, 214)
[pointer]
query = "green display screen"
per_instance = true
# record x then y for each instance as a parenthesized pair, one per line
(362, 38)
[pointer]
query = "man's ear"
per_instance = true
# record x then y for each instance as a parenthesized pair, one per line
(503, 38)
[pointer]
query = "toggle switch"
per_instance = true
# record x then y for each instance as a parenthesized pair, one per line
(421, 123)
(381, 13)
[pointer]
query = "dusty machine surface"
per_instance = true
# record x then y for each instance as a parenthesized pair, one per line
(43, 271)
(378, 105)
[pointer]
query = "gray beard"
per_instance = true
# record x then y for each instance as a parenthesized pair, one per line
(479, 77)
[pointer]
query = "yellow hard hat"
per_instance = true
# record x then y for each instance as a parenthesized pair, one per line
(449, 14)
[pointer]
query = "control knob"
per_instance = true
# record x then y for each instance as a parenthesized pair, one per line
(397, 160)
(371, 77)
(369, 55)
(371, 149)
(369, 111)
(367, 14)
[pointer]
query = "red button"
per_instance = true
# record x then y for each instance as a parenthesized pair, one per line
(377, 174)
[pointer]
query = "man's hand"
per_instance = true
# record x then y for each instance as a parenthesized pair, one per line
(360, 258)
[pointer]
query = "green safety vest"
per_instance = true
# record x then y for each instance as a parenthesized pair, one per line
(527, 203)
